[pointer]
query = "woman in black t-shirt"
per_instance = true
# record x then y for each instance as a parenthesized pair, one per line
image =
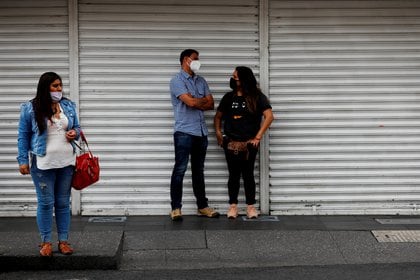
(246, 114)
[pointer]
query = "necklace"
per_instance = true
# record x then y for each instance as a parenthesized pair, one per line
(57, 123)
(56, 119)
(56, 110)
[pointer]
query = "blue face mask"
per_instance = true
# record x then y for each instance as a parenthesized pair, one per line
(56, 96)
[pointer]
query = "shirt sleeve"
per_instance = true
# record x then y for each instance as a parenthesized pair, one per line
(24, 135)
(178, 87)
(223, 105)
(264, 103)
(76, 124)
(206, 88)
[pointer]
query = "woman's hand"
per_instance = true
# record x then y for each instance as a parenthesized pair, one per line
(268, 119)
(71, 135)
(218, 127)
(255, 142)
(24, 169)
(219, 137)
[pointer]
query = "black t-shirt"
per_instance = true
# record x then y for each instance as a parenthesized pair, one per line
(239, 123)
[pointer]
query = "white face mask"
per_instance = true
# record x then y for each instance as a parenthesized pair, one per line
(195, 65)
(56, 96)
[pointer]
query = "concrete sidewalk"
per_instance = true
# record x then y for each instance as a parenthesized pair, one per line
(155, 242)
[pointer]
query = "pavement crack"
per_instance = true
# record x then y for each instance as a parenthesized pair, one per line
(337, 245)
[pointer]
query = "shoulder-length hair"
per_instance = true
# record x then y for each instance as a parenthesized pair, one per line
(42, 101)
(249, 87)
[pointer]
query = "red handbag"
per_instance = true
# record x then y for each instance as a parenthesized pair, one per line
(86, 171)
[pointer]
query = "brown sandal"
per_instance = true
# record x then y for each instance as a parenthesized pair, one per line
(64, 248)
(46, 249)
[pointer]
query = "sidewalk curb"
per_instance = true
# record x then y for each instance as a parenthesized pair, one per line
(89, 256)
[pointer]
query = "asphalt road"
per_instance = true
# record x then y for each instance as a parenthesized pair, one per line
(341, 272)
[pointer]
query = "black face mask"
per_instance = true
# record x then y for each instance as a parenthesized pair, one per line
(232, 84)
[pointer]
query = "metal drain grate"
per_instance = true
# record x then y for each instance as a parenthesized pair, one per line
(262, 219)
(397, 235)
(107, 219)
(398, 221)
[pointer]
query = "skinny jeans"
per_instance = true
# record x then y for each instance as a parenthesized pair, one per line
(53, 188)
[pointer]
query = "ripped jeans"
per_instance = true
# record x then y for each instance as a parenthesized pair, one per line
(53, 188)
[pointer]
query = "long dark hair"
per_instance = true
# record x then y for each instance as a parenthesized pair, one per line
(42, 101)
(249, 87)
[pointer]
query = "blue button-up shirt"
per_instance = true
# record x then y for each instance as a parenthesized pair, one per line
(188, 120)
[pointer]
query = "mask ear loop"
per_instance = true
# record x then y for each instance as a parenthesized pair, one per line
(191, 60)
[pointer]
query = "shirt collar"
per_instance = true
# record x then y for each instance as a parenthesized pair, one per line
(188, 76)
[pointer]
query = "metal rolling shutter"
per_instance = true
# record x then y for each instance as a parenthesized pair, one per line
(33, 40)
(129, 51)
(345, 87)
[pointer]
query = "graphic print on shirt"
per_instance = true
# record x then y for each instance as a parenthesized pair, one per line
(238, 108)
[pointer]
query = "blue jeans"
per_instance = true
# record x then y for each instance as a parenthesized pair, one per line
(53, 188)
(186, 145)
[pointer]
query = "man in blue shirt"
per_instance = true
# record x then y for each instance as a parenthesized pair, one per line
(190, 96)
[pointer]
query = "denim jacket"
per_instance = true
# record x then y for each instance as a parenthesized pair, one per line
(29, 139)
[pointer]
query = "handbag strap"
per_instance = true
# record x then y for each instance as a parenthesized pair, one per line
(83, 137)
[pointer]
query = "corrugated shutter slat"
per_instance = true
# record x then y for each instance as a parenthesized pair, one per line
(128, 53)
(344, 84)
(33, 40)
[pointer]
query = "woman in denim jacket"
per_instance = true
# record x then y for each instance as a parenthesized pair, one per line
(48, 124)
